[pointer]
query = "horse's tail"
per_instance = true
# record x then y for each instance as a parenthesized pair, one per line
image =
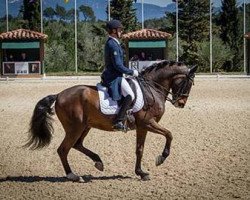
(41, 129)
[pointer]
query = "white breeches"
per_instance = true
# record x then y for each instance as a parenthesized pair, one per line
(126, 89)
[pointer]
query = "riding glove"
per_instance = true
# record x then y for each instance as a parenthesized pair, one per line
(135, 73)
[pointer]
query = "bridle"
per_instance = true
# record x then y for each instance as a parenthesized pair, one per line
(182, 86)
(148, 84)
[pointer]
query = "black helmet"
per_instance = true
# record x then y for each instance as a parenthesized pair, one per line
(113, 24)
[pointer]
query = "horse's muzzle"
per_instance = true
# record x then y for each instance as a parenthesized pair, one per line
(180, 103)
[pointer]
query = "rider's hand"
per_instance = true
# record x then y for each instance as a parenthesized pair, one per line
(135, 73)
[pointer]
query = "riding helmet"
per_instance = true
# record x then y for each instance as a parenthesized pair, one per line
(113, 24)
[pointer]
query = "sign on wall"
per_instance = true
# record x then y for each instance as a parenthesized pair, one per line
(18, 68)
(141, 65)
(21, 68)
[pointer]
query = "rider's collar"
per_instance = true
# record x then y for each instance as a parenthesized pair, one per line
(115, 39)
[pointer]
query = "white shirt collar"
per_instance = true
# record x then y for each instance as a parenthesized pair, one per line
(115, 39)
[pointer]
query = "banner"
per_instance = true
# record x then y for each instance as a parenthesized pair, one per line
(21, 68)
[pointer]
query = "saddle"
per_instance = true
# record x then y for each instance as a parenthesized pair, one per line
(110, 107)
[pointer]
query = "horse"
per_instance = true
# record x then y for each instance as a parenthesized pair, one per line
(78, 110)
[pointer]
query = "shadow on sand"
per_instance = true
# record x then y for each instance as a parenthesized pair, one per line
(31, 179)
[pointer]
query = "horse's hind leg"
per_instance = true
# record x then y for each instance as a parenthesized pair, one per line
(95, 157)
(68, 142)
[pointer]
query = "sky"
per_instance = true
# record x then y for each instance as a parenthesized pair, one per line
(163, 3)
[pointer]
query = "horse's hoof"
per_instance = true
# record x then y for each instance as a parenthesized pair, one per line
(159, 160)
(71, 176)
(99, 166)
(145, 178)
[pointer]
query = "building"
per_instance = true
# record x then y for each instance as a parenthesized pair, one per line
(145, 47)
(22, 53)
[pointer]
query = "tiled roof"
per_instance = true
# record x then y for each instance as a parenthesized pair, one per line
(247, 35)
(22, 34)
(146, 34)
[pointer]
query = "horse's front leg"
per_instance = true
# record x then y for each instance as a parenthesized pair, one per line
(154, 127)
(140, 140)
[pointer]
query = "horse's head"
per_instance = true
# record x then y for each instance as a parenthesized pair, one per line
(181, 86)
(174, 76)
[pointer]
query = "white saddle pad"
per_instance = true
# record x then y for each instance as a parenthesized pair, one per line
(110, 107)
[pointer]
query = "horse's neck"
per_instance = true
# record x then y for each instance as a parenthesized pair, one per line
(160, 86)
(161, 80)
(165, 75)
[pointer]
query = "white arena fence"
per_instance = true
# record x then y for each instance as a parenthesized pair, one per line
(98, 79)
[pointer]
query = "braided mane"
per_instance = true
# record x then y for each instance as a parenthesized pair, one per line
(160, 65)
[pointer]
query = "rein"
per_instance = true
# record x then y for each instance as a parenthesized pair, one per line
(175, 97)
(153, 83)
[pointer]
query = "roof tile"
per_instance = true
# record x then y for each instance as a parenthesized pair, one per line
(22, 34)
(146, 34)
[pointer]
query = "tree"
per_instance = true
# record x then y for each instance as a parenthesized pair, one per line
(61, 13)
(193, 27)
(230, 34)
(3, 22)
(49, 13)
(228, 20)
(123, 10)
(70, 15)
(60, 44)
(90, 57)
(87, 12)
(221, 54)
(162, 24)
(31, 14)
(248, 17)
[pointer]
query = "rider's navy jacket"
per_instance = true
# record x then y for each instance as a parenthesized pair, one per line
(114, 68)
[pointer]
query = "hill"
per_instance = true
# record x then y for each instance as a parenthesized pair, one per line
(99, 7)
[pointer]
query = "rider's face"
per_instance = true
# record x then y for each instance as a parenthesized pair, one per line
(118, 32)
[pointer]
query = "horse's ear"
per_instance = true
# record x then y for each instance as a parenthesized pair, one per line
(193, 69)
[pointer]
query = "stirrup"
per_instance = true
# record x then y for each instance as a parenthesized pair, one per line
(119, 126)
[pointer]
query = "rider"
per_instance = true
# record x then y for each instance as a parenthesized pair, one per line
(112, 76)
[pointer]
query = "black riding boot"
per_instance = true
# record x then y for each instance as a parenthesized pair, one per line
(118, 125)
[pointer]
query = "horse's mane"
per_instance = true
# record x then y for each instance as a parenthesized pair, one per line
(162, 64)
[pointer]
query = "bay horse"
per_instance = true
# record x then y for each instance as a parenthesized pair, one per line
(78, 110)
